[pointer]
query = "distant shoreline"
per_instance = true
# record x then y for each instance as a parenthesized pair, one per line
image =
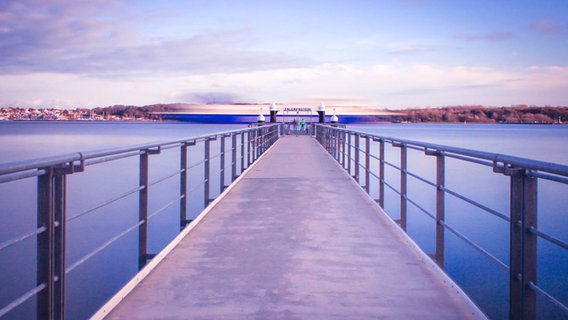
(521, 114)
(352, 122)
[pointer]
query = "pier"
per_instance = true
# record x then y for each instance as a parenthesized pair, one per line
(295, 238)
(279, 223)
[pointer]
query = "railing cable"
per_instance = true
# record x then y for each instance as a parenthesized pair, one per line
(101, 248)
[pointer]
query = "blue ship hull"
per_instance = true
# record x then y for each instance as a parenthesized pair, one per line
(250, 118)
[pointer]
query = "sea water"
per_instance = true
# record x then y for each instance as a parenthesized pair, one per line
(480, 278)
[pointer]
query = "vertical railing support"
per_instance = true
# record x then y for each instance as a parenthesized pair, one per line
(242, 152)
(337, 144)
(440, 208)
(356, 164)
(327, 132)
(143, 210)
(233, 157)
(328, 142)
(250, 151)
(259, 143)
(403, 185)
(349, 152)
(222, 165)
(367, 163)
(382, 173)
(45, 245)
(343, 135)
(51, 244)
(60, 215)
(523, 244)
(206, 171)
(333, 142)
(183, 187)
(143, 206)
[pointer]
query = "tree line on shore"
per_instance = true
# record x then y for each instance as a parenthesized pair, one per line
(482, 114)
(448, 114)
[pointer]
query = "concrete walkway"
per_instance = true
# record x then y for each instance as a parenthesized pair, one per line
(296, 238)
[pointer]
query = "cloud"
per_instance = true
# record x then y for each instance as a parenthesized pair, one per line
(380, 85)
(96, 38)
(548, 27)
(205, 53)
(491, 36)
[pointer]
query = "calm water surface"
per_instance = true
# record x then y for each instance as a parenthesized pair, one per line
(109, 271)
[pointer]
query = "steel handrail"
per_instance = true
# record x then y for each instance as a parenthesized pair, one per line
(549, 167)
(43, 162)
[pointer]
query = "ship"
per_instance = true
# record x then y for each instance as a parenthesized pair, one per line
(285, 112)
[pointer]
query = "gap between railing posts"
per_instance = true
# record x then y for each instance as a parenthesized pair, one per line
(522, 218)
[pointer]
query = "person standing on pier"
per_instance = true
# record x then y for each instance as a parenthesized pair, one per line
(295, 126)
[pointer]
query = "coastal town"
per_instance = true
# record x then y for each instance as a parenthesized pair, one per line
(41, 114)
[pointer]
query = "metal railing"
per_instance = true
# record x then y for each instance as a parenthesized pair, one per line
(356, 150)
(246, 146)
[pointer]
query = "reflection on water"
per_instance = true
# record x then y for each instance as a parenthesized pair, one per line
(110, 270)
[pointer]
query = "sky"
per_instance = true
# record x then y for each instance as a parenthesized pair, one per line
(392, 54)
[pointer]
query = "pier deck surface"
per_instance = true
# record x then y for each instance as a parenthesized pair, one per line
(296, 238)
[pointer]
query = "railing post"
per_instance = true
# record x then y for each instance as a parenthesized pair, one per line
(349, 153)
(343, 135)
(250, 147)
(382, 173)
(357, 151)
(45, 245)
(183, 187)
(254, 146)
(336, 148)
(242, 152)
(326, 138)
(326, 133)
(143, 210)
(523, 244)
(222, 165)
(258, 143)
(337, 138)
(51, 244)
(337, 145)
(403, 185)
(233, 157)
(60, 215)
(440, 208)
(206, 171)
(331, 138)
(367, 163)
